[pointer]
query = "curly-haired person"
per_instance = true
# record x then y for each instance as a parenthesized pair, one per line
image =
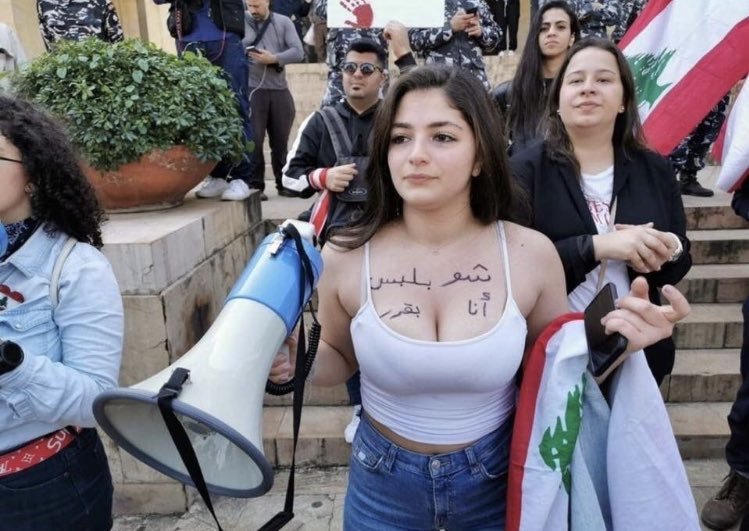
(61, 328)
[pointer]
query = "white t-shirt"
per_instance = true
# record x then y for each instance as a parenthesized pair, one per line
(597, 190)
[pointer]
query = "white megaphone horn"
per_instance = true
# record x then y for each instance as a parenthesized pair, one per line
(221, 404)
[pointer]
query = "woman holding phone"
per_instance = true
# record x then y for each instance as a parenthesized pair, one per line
(610, 205)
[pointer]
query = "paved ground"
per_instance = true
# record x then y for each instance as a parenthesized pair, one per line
(319, 503)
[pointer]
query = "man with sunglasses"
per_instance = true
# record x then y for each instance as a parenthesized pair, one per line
(313, 164)
(337, 43)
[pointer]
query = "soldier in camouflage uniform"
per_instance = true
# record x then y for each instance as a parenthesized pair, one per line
(74, 20)
(595, 16)
(462, 40)
(631, 9)
(338, 41)
(689, 156)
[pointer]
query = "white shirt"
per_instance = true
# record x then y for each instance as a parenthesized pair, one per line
(597, 190)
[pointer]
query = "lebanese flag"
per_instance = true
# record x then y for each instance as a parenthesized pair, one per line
(731, 150)
(579, 461)
(685, 56)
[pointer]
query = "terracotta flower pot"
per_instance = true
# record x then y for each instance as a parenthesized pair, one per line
(159, 179)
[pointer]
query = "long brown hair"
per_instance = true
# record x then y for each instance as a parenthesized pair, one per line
(492, 192)
(627, 136)
(528, 93)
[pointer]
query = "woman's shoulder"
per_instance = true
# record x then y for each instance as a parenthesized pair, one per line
(651, 165)
(649, 157)
(338, 258)
(533, 151)
(529, 242)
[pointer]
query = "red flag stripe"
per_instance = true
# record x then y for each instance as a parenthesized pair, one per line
(525, 410)
(691, 99)
(652, 9)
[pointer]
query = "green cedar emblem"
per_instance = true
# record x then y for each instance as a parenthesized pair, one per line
(556, 448)
(647, 68)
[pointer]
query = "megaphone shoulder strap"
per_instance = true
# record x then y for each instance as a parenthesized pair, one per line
(168, 392)
(285, 516)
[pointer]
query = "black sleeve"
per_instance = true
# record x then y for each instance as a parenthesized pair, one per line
(576, 252)
(671, 272)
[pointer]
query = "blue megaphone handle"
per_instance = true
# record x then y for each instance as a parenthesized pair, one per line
(3, 240)
(273, 278)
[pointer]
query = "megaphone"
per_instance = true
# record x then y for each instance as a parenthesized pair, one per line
(221, 404)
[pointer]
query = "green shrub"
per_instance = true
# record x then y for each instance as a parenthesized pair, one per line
(122, 100)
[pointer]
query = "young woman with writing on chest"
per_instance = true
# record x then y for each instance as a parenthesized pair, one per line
(429, 296)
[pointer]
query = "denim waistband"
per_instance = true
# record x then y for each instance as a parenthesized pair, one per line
(428, 464)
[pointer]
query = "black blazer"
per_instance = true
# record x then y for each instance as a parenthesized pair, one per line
(645, 188)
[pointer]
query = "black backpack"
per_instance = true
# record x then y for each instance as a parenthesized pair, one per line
(346, 206)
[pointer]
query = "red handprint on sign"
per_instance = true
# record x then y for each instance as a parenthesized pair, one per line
(361, 10)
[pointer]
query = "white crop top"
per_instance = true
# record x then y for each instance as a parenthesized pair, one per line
(439, 392)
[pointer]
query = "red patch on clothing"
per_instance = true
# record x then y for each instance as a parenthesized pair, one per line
(8, 297)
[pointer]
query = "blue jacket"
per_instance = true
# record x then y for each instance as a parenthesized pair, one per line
(72, 351)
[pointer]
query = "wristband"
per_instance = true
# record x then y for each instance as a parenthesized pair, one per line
(679, 248)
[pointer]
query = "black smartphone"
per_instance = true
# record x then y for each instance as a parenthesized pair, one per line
(472, 10)
(251, 49)
(605, 350)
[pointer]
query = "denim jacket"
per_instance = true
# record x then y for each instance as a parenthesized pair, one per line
(71, 352)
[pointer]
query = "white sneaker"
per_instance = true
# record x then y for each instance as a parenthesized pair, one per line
(212, 187)
(350, 431)
(236, 191)
(510, 53)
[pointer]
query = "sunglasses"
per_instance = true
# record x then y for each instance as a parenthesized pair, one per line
(11, 160)
(366, 69)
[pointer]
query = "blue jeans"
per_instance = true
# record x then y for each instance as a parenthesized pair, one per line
(391, 488)
(229, 55)
(71, 490)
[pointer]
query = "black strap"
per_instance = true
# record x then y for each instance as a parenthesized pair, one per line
(263, 28)
(285, 516)
(168, 392)
(337, 131)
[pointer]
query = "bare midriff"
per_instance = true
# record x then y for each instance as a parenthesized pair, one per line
(413, 446)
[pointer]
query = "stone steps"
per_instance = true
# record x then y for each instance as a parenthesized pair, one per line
(701, 431)
(710, 326)
(706, 283)
(722, 246)
(703, 375)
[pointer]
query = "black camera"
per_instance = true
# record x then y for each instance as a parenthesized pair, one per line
(11, 356)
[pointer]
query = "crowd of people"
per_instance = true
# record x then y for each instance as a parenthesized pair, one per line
(426, 160)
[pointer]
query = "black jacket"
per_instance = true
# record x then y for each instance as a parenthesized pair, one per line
(313, 148)
(228, 15)
(646, 190)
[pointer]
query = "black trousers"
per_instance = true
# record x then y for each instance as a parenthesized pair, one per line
(737, 449)
(507, 15)
(272, 111)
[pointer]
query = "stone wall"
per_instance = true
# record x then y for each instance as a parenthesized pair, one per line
(175, 268)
